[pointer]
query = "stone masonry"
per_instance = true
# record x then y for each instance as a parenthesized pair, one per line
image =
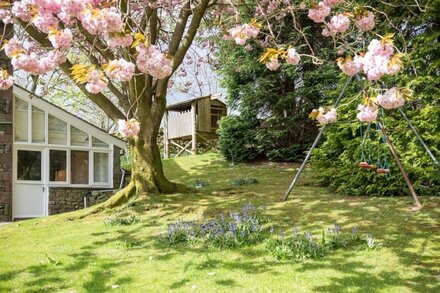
(5, 137)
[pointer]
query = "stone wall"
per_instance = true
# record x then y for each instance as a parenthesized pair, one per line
(5, 137)
(67, 199)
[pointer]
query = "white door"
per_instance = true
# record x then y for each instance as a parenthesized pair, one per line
(29, 199)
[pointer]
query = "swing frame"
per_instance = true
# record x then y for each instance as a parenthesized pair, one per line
(393, 151)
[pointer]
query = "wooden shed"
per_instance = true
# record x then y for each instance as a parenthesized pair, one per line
(188, 123)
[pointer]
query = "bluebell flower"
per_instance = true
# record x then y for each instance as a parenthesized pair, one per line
(354, 230)
(308, 236)
(295, 231)
(329, 231)
(281, 233)
(337, 228)
(271, 230)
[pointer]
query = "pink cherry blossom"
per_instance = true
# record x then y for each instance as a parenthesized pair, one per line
(391, 99)
(118, 40)
(73, 8)
(348, 66)
(375, 63)
(338, 24)
(153, 62)
(61, 39)
(326, 117)
(367, 113)
(92, 21)
(365, 22)
(273, 64)
(331, 3)
(13, 46)
(95, 82)
(120, 69)
(23, 10)
(319, 12)
(292, 57)
(112, 19)
(129, 129)
(242, 33)
(45, 21)
(6, 16)
(6, 81)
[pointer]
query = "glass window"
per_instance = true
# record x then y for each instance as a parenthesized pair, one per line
(79, 167)
(78, 137)
(57, 165)
(29, 165)
(21, 120)
(57, 131)
(96, 143)
(38, 125)
(101, 167)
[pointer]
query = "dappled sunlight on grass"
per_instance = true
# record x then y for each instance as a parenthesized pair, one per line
(58, 254)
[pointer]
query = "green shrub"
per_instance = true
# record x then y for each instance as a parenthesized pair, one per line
(122, 221)
(237, 138)
(300, 247)
(244, 181)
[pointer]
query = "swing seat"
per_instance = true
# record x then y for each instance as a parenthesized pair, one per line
(380, 171)
(364, 165)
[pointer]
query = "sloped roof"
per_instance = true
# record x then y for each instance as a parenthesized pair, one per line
(68, 117)
(187, 103)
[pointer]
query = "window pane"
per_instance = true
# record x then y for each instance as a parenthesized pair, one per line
(79, 167)
(78, 137)
(57, 166)
(101, 169)
(38, 125)
(29, 165)
(57, 131)
(98, 143)
(21, 120)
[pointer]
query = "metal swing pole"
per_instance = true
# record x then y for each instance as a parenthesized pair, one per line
(315, 143)
(418, 136)
(399, 164)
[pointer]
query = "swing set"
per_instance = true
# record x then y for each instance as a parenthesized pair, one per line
(382, 166)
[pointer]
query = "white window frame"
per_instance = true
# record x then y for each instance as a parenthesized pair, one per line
(46, 147)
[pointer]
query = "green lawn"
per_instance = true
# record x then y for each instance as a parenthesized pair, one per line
(57, 254)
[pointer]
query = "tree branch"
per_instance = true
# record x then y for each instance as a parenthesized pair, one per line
(99, 99)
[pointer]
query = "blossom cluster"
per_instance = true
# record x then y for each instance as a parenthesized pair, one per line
(367, 113)
(128, 129)
(6, 81)
(96, 82)
(324, 117)
(6, 16)
(38, 62)
(338, 24)
(365, 21)
(378, 61)
(152, 61)
(242, 33)
(391, 99)
(120, 69)
(61, 39)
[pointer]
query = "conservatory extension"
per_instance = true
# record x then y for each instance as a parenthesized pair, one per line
(55, 159)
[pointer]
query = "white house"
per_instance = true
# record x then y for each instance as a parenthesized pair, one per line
(50, 158)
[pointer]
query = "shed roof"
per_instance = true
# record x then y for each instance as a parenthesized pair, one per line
(185, 104)
(67, 116)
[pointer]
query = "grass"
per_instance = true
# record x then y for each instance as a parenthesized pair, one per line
(57, 254)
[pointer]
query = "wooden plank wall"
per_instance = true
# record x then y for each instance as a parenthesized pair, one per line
(179, 124)
(204, 114)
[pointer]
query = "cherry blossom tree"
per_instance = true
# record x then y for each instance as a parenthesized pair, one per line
(123, 50)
